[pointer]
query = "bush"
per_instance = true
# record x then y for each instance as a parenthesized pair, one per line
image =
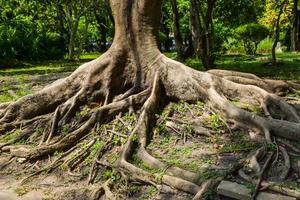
(233, 46)
(251, 35)
(49, 46)
(222, 34)
(265, 46)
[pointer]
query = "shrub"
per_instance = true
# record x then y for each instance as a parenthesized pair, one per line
(265, 46)
(251, 35)
(233, 46)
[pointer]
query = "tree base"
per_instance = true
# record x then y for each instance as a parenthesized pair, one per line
(76, 127)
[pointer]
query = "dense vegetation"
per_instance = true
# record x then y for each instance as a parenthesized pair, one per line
(51, 30)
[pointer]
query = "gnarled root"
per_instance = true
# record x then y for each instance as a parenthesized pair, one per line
(217, 88)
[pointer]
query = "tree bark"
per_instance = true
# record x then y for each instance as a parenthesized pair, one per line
(103, 29)
(202, 30)
(73, 28)
(277, 32)
(295, 32)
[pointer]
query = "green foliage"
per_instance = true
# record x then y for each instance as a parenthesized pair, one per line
(251, 35)
(149, 193)
(10, 136)
(21, 191)
(216, 123)
(265, 46)
(98, 145)
(234, 13)
(110, 174)
(66, 128)
(28, 35)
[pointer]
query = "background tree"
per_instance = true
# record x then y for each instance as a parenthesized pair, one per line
(295, 30)
(177, 31)
(202, 31)
(277, 9)
(28, 31)
(104, 19)
(72, 11)
(251, 35)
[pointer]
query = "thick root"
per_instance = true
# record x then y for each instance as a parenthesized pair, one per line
(217, 88)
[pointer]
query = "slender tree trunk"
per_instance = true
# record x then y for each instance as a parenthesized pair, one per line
(277, 33)
(201, 26)
(103, 29)
(103, 38)
(166, 43)
(83, 40)
(73, 28)
(295, 28)
(177, 32)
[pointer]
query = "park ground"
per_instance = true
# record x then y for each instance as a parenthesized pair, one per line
(201, 141)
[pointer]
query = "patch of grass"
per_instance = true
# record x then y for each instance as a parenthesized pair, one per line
(12, 92)
(132, 189)
(110, 174)
(150, 192)
(66, 128)
(237, 147)
(47, 67)
(288, 70)
(291, 185)
(207, 173)
(175, 155)
(98, 145)
(216, 123)
(21, 191)
(252, 108)
(9, 137)
(136, 161)
(180, 107)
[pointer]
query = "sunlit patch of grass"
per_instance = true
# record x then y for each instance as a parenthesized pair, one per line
(21, 191)
(90, 56)
(47, 67)
(288, 69)
(13, 92)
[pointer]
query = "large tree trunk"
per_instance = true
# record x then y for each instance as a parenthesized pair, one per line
(134, 75)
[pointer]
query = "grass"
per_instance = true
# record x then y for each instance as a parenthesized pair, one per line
(289, 69)
(18, 82)
(46, 67)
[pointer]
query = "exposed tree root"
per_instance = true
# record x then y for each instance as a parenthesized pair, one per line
(103, 190)
(260, 178)
(276, 187)
(206, 87)
(134, 76)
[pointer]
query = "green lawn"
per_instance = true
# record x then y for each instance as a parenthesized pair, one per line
(288, 69)
(46, 67)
